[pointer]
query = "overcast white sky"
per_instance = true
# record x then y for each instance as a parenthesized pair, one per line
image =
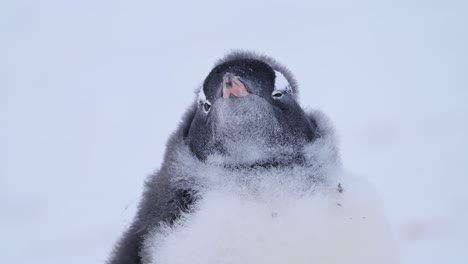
(91, 90)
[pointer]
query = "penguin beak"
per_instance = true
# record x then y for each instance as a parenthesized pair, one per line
(233, 86)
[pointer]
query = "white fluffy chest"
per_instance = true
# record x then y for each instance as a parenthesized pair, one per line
(232, 226)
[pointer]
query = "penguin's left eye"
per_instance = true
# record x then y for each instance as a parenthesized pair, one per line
(206, 106)
(277, 94)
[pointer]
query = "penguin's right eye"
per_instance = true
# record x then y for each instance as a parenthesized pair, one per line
(206, 106)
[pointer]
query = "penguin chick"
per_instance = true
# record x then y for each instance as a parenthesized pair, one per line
(245, 116)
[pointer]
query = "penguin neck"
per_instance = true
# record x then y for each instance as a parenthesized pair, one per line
(284, 162)
(315, 162)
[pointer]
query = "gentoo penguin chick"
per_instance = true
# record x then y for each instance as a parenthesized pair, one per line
(247, 159)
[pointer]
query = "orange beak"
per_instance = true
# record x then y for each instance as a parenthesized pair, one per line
(233, 86)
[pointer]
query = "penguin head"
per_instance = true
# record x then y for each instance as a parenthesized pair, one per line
(247, 112)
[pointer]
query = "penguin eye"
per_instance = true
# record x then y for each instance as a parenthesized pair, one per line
(206, 106)
(277, 94)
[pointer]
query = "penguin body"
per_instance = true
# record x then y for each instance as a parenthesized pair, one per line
(250, 177)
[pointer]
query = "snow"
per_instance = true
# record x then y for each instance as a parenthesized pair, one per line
(91, 90)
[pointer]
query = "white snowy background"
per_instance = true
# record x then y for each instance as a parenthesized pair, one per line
(91, 90)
